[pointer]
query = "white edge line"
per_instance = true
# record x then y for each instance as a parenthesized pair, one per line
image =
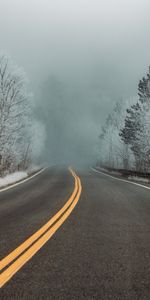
(143, 186)
(22, 181)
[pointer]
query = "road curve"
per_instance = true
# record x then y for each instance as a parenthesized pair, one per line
(102, 251)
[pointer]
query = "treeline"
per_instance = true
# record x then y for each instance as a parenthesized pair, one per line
(19, 131)
(125, 136)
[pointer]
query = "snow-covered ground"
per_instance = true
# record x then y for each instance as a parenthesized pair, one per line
(12, 178)
(141, 179)
(134, 178)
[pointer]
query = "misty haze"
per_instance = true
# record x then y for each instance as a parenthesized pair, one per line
(96, 51)
(74, 149)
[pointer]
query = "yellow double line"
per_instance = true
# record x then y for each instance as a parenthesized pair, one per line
(17, 258)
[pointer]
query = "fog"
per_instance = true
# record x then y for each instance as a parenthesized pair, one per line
(80, 56)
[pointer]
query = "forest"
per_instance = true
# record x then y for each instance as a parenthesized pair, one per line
(20, 132)
(125, 136)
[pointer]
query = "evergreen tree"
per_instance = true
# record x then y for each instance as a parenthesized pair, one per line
(135, 125)
(144, 89)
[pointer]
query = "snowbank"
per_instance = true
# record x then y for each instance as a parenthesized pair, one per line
(12, 178)
(131, 177)
(18, 176)
(141, 179)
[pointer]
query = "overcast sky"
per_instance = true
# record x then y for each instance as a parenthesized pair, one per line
(98, 48)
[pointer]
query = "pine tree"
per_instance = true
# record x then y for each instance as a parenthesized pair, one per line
(144, 89)
(132, 127)
(135, 125)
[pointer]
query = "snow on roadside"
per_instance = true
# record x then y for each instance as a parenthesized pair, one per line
(141, 179)
(12, 178)
(18, 176)
(134, 178)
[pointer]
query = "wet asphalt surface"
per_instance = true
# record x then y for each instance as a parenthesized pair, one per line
(102, 251)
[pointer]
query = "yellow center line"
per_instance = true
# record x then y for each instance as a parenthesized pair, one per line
(62, 215)
(14, 254)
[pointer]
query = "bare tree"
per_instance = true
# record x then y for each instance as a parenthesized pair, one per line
(14, 115)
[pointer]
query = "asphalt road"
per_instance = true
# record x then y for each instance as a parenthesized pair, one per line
(102, 251)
